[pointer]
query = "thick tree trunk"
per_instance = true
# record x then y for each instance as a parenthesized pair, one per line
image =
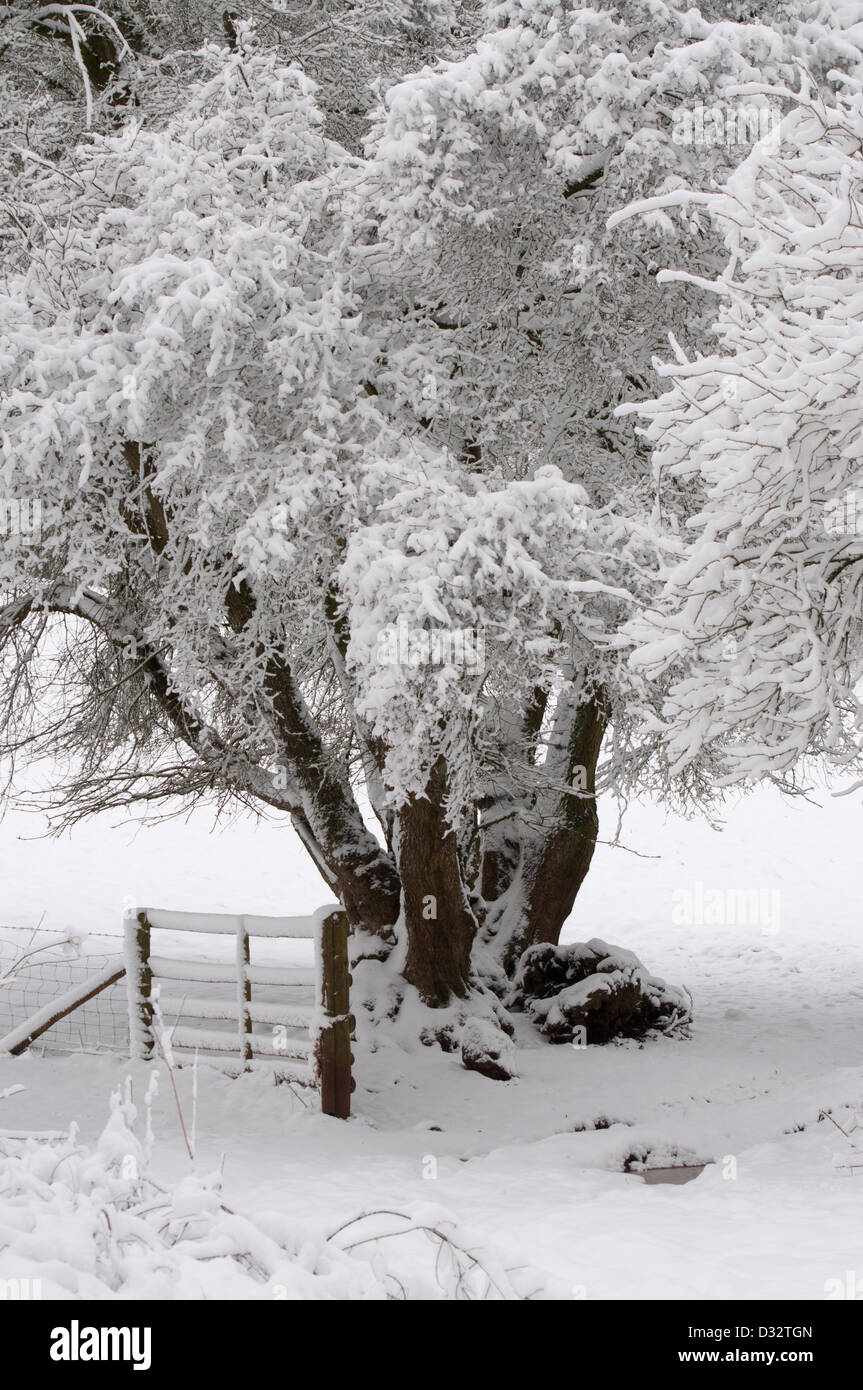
(501, 830)
(554, 865)
(438, 922)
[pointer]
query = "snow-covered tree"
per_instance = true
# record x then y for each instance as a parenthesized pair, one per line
(312, 463)
(761, 621)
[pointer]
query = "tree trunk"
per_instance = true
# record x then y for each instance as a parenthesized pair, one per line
(554, 866)
(517, 871)
(438, 921)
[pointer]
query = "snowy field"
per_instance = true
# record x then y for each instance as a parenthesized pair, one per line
(467, 396)
(527, 1178)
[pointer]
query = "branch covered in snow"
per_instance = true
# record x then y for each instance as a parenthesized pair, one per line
(760, 625)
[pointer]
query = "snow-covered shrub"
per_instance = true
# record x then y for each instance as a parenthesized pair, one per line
(591, 992)
(95, 1223)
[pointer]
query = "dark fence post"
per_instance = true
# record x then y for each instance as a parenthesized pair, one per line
(139, 983)
(244, 995)
(334, 1041)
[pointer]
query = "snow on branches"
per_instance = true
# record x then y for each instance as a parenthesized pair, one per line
(277, 408)
(212, 390)
(760, 621)
(497, 175)
(520, 570)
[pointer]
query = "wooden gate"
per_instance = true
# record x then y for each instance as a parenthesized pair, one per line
(310, 1039)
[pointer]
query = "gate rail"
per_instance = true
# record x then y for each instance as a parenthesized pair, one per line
(320, 1056)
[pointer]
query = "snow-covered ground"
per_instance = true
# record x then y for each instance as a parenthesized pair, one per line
(527, 1176)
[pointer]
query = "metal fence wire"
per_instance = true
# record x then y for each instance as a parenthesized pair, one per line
(36, 968)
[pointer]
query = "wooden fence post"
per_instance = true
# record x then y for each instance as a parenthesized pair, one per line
(334, 1042)
(139, 985)
(244, 995)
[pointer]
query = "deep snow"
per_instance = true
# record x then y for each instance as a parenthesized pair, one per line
(530, 1172)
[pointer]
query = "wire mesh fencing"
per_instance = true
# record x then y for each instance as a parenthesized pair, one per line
(37, 967)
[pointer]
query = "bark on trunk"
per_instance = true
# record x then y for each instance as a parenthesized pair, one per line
(364, 874)
(555, 866)
(439, 924)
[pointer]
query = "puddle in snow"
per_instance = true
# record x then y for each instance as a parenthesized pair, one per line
(677, 1175)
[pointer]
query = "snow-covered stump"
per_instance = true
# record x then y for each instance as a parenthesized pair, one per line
(139, 986)
(333, 1045)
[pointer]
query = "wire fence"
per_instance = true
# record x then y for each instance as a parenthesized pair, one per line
(37, 967)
